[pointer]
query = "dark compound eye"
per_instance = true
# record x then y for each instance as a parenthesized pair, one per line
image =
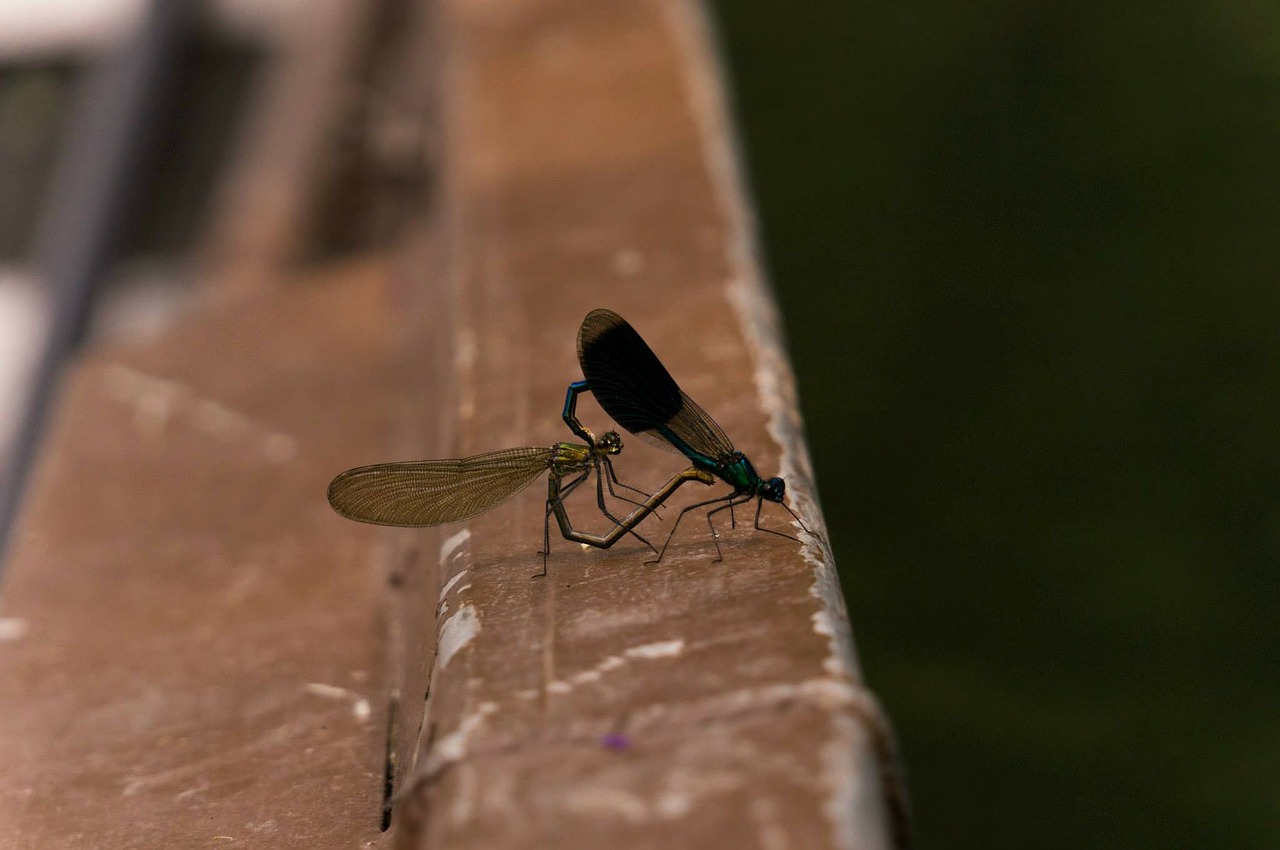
(774, 490)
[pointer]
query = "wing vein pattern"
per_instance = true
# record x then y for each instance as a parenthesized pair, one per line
(434, 492)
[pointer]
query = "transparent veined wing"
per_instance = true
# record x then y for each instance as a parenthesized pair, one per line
(434, 492)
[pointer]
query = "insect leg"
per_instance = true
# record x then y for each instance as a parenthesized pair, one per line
(556, 492)
(628, 522)
(613, 477)
(604, 509)
(680, 516)
(608, 477)
(715, 538)
(803, 527)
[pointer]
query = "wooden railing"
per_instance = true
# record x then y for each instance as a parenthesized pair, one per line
(210, 654)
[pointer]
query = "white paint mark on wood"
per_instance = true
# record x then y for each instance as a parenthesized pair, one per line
(645, 651)
(658, 649)
(360, 707)
(864, 827)
(329, 691)
(458, 631)
(449, 585)
(453, 747)
(452, 544)
(834, 664)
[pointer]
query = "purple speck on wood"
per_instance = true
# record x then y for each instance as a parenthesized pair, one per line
(616, 741)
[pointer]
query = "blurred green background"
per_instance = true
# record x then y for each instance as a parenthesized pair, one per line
(1028, 255)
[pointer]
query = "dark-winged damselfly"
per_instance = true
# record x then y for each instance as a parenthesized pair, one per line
(637, 391)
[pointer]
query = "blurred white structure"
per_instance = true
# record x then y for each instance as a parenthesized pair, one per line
(37, 27)
(42, 27)
(23, 318)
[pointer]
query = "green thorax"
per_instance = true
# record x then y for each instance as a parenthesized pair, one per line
(738, 472)
(570, 457)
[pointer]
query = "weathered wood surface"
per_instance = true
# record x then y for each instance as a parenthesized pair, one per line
(588, 163)
(190, 646)
(200, 653)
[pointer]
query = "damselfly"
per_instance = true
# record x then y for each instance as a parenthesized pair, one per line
(435, 492)
(637, 391)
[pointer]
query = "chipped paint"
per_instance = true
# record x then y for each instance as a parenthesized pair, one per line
(830, 695)
(658, 649)
(645, 651)
(775, 386)
(452, 543)
(360, 707)
(458, 631)
(453, 747)
(328, 691)
(758, 318)
(449, 585)
(835, 664)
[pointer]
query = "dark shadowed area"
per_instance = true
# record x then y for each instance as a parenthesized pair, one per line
(1027, 257)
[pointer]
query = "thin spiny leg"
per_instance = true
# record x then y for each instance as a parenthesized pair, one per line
(600, 480)
(759, 505)
(608, 478)
(613, 479)
(733, 521)
(613, 475)
(545, 552)
(546, 545)
(562, 493)
(572, 485)
(680, 516)
(715, 538)
(796, 517)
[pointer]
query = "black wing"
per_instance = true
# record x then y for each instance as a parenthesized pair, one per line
(433, 492)
(638, 392)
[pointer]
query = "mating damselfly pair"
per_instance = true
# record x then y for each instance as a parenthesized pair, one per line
(636, 390)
